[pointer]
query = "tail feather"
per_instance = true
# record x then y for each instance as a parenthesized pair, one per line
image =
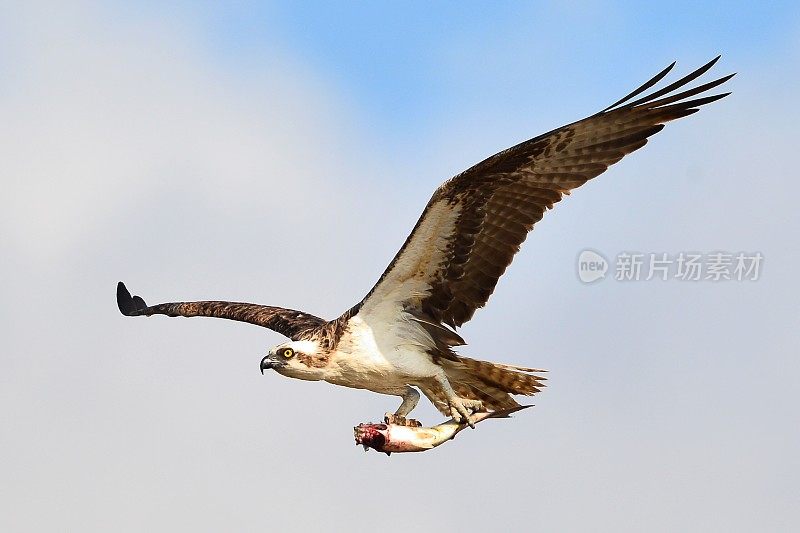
(508, 378)
(491, 383)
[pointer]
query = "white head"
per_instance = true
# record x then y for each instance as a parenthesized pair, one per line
(297, 359)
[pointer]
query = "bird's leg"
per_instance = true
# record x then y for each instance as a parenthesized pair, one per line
(460, 408)
(410, 398)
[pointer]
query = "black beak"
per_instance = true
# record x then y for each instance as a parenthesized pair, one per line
(266, 364)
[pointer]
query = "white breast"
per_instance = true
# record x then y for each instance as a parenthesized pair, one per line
(381, 355)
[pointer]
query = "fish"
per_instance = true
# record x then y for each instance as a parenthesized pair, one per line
(394, 438)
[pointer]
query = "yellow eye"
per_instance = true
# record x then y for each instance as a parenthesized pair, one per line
(287, 353)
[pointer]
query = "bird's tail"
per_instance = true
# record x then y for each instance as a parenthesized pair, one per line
(491, 383)
(512, 379)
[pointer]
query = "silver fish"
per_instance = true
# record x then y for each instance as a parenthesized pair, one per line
(394, 438)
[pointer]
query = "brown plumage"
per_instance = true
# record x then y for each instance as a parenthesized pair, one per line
(491, 383)
(293, 324)
(502, 197)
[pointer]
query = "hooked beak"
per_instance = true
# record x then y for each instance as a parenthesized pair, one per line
(266, 363)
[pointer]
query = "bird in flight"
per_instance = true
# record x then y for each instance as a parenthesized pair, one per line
(400, 337)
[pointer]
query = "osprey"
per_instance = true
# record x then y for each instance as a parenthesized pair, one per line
(401, 336)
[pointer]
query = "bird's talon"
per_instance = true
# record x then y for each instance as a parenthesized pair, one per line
(461, 409)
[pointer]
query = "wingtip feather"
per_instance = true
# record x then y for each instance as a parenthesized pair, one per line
(642, 88)
(128, 305)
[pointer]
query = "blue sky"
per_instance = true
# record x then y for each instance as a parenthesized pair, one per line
(280, 153)
(402, 63)
(408, 66)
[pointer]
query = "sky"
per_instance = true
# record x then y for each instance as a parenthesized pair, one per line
(280, 153)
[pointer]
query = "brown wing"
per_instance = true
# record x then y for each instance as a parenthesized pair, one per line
(476, 222)
(292, 324)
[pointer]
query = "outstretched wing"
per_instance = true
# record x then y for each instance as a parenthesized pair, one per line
(475, 222)
(293, 324)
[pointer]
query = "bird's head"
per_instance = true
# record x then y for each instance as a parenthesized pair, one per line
(297, 359)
